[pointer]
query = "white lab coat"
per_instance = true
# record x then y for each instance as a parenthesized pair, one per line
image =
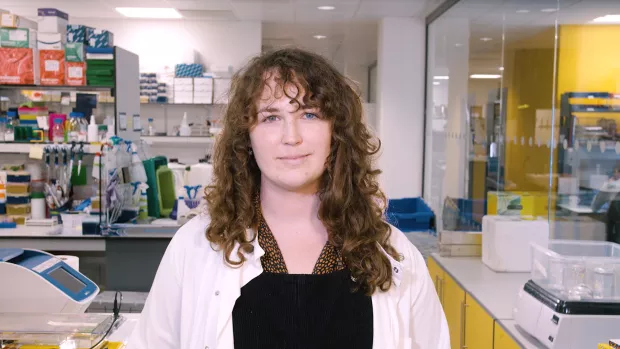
(191, 301)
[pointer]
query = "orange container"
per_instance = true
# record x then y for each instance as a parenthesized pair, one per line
(76, 73)
(52, 65)
(19, 66)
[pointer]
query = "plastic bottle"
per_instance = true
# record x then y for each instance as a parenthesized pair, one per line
(184, 130)
(83, 128)
(200, 174)
(73, 127)
(58, 131)
(9, 134)
(93, 130)
(151, 130)
(2, 128)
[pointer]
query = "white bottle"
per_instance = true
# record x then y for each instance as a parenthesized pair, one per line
(184, 130)
(93, 130)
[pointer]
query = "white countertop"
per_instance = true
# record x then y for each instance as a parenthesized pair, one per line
(30, 231)
(123, 333)
(496, 292)
(576, 209)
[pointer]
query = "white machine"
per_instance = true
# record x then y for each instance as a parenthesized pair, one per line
(38, 282)
(573, 299)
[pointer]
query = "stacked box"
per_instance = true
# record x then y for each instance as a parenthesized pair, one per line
(188, 70)
(100, 66)
(183, 90)
(19, 66)
(52, 20)
(76, 74)
(51, 41)
(77, 33)
(203, 90)
(2, 192)
(52, 67)
(75, 52)
(18, 196)
(18, 38)
(9, 20)
(148, 87)
(99, 38)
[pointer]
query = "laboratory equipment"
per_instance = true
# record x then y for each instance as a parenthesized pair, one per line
(184, 129)
(21, 330)
(93, 130)
(506, 241)
(178, 170)
(152, 131)
(573, 298)
(42, 283)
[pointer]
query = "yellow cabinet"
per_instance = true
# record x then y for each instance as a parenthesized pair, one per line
(501, 339)
(437, 274)
(453, 306)
(478, 326)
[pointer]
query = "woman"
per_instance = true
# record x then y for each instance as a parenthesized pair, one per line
(294, 251)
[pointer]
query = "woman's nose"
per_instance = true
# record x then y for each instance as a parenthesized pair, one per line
(290, 133)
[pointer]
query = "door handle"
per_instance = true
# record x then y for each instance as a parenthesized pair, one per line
(463, 310)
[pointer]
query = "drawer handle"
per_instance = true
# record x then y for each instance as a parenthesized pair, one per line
(463, 310)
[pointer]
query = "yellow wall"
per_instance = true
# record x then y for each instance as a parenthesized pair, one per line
(589, 58)
(529, 81)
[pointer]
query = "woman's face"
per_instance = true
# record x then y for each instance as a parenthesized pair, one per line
(290, 142)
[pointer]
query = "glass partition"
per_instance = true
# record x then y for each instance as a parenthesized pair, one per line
(523, 100)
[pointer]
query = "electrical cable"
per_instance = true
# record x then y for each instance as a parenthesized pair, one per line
(115, 310)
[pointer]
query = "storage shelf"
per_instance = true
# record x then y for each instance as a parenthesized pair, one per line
(172, 140)
(57, 88)
(24, 148)
(182, 104)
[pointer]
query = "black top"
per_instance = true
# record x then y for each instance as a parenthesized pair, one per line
(285, 311)
(278, 310)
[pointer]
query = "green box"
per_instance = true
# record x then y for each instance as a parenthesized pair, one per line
(18, 38)
(75, 52)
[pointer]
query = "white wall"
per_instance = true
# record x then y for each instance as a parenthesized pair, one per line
(400, 100)
(162, 43)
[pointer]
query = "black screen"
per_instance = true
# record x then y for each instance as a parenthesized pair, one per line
(67, 280)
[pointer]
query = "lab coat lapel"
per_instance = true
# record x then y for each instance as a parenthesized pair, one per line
(233, 279)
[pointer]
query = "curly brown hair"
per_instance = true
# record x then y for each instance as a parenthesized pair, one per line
(351, 202)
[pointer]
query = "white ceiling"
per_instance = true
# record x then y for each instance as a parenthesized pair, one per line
(351, 28)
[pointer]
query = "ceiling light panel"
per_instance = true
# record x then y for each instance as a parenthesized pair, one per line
(149, 12)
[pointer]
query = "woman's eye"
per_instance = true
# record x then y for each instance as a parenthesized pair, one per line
(310, 116)
(270, 118)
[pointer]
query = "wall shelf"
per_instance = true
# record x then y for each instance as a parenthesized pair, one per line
(172, 140)
(24, 148)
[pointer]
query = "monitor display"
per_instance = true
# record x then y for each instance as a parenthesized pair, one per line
(67, 280)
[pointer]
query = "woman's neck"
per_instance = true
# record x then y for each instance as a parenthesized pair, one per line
(288, 206)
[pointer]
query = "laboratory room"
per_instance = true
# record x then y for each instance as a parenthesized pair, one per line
(499, 160)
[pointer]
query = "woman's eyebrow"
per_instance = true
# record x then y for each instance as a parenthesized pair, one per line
(268, 110)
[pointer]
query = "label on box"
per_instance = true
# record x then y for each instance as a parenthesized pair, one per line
(137, 124)
(122, 121)
(52, 66)
(76, 72)
(18, 35)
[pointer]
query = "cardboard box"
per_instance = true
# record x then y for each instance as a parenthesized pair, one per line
(18, 37)
(19, 66)
(100, 38)
(9, 20)
(51, 41)
(52, 20)
(52, 66)
(76, 74)
(77, 33)
(74, 52)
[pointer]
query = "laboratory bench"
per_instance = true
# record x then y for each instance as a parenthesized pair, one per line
(478, 303)
(127, 263)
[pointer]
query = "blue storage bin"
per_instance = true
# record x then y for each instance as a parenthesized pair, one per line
(461, 214)
(410, 214)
